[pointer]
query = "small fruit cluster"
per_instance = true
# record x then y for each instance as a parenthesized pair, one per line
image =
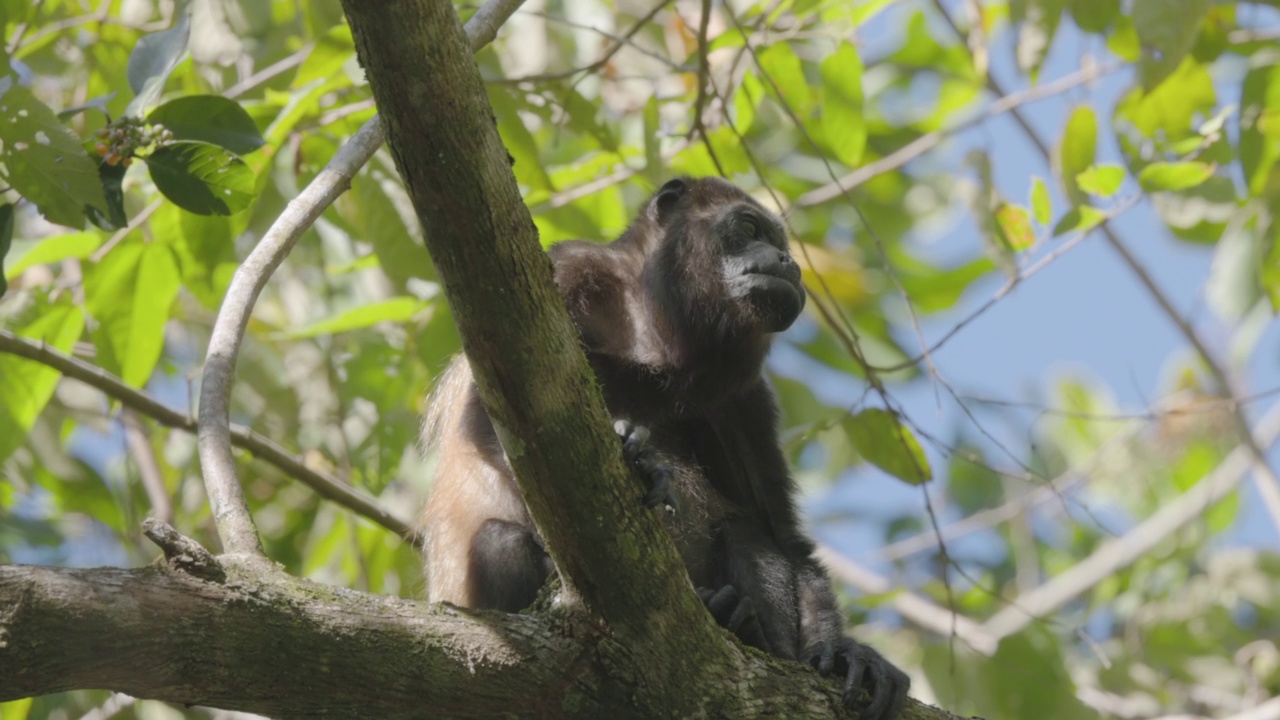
(118, 143)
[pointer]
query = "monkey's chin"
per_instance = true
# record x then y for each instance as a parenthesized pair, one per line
(777, 301)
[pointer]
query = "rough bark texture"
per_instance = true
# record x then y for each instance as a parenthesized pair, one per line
(269, 643)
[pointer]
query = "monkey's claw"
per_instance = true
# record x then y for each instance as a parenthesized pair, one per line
(638, 454)
(863, 669)
(736, 613)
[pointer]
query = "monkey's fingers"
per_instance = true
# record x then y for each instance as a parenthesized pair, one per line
(822, 656)
(745, 624)
(867, 670)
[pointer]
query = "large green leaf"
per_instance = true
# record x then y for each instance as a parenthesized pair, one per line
(842, 120)
(781, 65)
(1167, 111)
(212, 119)
(45, 161)
(202, 178)
(130, 293)
(28, 385)
(889, 445)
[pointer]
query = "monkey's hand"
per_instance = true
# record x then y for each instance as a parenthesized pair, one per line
(736, 613)
(863, 669)
(638, 454)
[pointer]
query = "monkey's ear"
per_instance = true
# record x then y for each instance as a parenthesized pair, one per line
(667, 198)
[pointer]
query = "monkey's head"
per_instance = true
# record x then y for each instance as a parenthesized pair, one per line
(725, 261)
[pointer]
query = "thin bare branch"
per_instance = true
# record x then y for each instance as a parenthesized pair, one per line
(230, 510)
(1123, 551)
(919, 611)
(928, 141)
(144, 456)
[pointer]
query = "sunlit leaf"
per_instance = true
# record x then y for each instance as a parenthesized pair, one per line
(842, 121)
(1259, 125)
(1174, 175)
(1169, 108)
(28, 385)
(1015, 226)
(1041, 205)
(202, 178)
(779, 64)
(889, 445)
(45, 161)
(55, 248)
(1101, 180)
(1077, 150)
(130, 293)
(1079, 219)
(393, 310)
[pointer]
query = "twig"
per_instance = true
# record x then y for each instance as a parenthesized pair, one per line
(1123, 551)
(919, 611)
(289, 464)
(270, 71)
(230, 510)
(1007, 511)
(144, 457)
(603, 60)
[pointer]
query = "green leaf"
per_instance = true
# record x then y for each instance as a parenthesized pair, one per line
(1015, 226)
(56, 248)
(212, 119)
(1079, 219)
(1169, 108)
(1076, 151)
(1101, 180)
(28, 385)
(1168, 176)
(889, 445)
(154, 57)
(112, 179)
(780, 64)
(398, 309)
(1123, 41)
(46, 162)
(842, 118)
(202, 178)
(1166, 30)
(130, 293)
(1041, 205)
(6, 241)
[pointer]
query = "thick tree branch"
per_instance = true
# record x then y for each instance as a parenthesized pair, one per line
(265, 642)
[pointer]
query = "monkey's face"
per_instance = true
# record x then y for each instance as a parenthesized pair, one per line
(757, 268)
(724, 257)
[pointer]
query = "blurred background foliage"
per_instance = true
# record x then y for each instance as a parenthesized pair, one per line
(929, 156)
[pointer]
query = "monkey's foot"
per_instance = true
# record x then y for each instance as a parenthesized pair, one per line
(863, 669)
(736, 613)
(638, 454)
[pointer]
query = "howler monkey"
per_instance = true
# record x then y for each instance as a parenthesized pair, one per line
(676, 316)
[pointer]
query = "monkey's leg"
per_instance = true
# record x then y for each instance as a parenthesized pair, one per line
(508, 566)
(638, 454)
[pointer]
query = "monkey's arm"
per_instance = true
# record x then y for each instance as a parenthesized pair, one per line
(822, 642)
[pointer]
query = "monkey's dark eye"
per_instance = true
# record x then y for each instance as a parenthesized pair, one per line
(748, 226)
